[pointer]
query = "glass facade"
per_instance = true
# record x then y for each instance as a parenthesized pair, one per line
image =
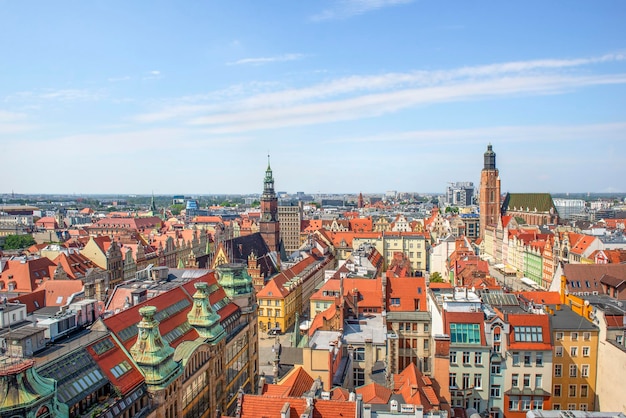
(465, 333)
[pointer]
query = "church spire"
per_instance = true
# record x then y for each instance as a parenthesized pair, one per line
(268, 182)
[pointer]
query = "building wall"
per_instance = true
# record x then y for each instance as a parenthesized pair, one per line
(412, 245)
(610, 371)
(290, 218)
(563, 359)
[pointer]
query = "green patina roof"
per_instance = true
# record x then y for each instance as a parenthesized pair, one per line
(541, 202)
(203, 318)
(153, 355)
(22, 387)
(234, 278)
(185, 350)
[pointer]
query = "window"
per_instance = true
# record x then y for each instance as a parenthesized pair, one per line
(495, 369)
(358, 377)
(585, 351)
(513, 404)
(529, 334)
(538, 381)
(261, 312)
(571, 406)
(515, 358)
(359, 354)
(515, 380)
(452, 357)
(539, 359)
(559, 335)
(527, 359)
(395, 301)
(572, 391)
(494, 391)
(277, 303)
(557, 391)
(573, 371)
(453, 380)
(558, 370)
(573, 351)
(586, 336)
(574, 336)
(466, 357)
(538, 404)
(556, 406)
(583, 407)
(478, 381)
(478, 357)
(584, 371)
(466, 381)
(526, 380)
(426, 328)
(558, 351)
(465, 333)
(525, 403)
(584, 391)
(425, 344)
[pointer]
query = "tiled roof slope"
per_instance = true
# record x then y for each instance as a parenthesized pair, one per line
(541, 202)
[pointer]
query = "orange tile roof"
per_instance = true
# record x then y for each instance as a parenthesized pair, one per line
(407, 290)
(298, 381)
(547, 298)
(525, 320)
(58, 292)
(27, 274)
(374, 394)
(340, 394)
(259, 406)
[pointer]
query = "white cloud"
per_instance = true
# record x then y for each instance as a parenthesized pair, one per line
(344, 9)
(267, 60)
(371, 105)
(247, 107)
(64, 95)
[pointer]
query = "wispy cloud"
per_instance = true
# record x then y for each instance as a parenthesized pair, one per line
(64, 95)
(366, 96)
(118, 79)
(267, 60)
(343, 9)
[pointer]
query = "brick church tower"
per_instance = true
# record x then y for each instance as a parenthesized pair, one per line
(268, 225)
(489, 192)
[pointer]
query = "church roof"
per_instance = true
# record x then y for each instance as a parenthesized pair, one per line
(531, 202)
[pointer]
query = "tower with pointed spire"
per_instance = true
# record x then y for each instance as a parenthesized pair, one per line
(268, 225)
(489, 192)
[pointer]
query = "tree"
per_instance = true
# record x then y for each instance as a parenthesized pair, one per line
(436, 278)
(176, 209)
(16, 242)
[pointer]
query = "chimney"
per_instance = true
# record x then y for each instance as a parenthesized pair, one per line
(369, 360)
(441, 366)
(285, 412)
(367, 411)
(262, 381)
(419, 411)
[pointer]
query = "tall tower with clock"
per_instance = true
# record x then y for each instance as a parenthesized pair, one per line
(268, 225)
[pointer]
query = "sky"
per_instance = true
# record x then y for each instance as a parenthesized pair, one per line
(346, 96)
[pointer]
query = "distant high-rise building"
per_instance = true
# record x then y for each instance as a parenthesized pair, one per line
(269, 225)
(489, 192)
(460, 193)
(290, 217)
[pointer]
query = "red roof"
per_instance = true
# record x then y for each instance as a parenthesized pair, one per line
(374, 394)
(547, 298)
(406, 290)
(465, 318)
(259, 406)
(33, 301)
(112, 357)
(58, 292)
(26, 274)
(530, 320)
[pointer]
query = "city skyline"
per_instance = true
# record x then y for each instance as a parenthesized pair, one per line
(346, 96)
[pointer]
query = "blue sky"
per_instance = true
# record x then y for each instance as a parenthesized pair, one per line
(347, 95)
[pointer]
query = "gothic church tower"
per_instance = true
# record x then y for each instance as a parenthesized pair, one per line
(489, 192)
(268, 225)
